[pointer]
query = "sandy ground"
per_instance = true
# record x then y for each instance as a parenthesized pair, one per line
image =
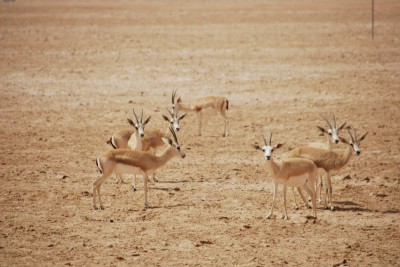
(71, 72)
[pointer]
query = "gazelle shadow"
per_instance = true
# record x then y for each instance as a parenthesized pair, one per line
(350, 206)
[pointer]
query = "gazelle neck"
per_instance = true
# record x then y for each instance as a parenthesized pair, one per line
(164, 158)
(329, 140)
(274, 166)
(346, 156)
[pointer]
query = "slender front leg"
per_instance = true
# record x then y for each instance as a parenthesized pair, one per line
(273, 201)
(145, 178)
(295, 201)
(284, 201)
(134, 183)
(330, 190)
(154, 171)
(200, 118)
(312, 195)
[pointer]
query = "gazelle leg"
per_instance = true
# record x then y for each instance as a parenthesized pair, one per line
(145, 178)
(96, 190)
(200, 118)
(273, 201)
(134, 183)
(330, 190)
(295, 201)
(154, 171)
(226, 127)
(284, 201)
(312, 195)
(303, 198)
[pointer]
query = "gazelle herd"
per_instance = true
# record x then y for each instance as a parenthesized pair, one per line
(135, 153)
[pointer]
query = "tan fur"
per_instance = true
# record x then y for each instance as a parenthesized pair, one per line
(139, 162)
(199, 105)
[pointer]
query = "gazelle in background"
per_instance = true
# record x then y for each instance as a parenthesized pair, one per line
(329, 160)
(127, 161)
(204, 105)
(290, 173)
(133, 138)
(332, 134)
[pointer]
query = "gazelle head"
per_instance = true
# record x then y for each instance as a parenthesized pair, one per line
(178, 150)
(174, 120)
(333, 132)
(354, 141)
(139, 124)
(267, 149)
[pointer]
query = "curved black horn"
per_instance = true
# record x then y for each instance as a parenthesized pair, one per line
(141, 117)
(327, 122)
(334, 121)
(355, 134)
(134, 113)
(173, 96)
(351, 136)
(170, 113)
(270, 139)
(265, 141)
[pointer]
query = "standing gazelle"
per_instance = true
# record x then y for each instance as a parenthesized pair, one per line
(204, 105)
(329, 160)
(121, 161)
(132, 138)
(332, 134)
(291, 173)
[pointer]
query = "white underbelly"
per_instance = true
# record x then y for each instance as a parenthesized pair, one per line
(127, 169)
(294, 181)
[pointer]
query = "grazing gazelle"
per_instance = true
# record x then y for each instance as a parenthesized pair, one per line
(332, 134)
(133, 138)
(291, 173)
(204, 105)
(329, 160)
(128, 161)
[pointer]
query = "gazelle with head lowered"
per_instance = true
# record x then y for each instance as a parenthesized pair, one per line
(127, 161)
(329, 160)
(290, 173)
(204, 105)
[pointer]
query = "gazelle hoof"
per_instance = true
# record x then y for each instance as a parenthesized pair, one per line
(332, 208)
(133, 188)
(285, 217)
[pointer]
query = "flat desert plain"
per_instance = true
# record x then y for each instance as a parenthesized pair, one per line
(72, 71)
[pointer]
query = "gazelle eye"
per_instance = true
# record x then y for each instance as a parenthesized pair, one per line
(263, 150)
(351, 144)
(330, 133)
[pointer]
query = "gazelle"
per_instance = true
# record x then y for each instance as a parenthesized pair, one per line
(329, 160)
(132, 138)
(128, 161)
(291, 173)
(156, 136)
(204, 105)
(332, 134)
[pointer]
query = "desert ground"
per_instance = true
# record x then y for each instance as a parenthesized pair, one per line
(71, 72)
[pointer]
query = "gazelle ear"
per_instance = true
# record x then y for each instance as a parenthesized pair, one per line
(279, 145)
(183, 116)
(147, 120)
(342, 126)
(167, 141)
(322, 129)
(131, 122)
(179, 99)
(363, 137)
(165, 118)
(344, 141)
(257, 147)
